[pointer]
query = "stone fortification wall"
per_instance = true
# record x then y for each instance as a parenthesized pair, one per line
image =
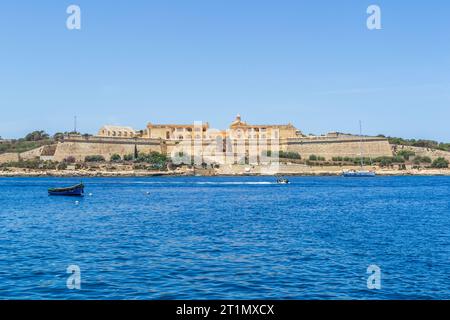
(9, 157)
(81, 147)
(344, 147)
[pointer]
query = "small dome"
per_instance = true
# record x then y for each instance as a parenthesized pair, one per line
(238, 121)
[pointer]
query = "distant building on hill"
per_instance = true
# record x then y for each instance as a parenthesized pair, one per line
(238, 129)
(117, 131)
(176, 131)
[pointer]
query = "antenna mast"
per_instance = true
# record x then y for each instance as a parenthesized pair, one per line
(360, 144)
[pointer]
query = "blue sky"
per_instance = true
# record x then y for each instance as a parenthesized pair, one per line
(312, 63)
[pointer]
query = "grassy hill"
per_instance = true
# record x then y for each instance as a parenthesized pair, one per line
(421, 143)
(22, 145)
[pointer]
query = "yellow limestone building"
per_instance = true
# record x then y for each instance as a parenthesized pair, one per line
(240, 141)
(237, 130)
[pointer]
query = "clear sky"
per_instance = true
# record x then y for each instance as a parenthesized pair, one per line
(313, 63)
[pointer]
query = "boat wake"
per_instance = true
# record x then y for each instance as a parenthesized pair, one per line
(234, 183)
(204, 182)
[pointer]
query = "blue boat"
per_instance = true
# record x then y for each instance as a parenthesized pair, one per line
(74, 191)
(359, 173)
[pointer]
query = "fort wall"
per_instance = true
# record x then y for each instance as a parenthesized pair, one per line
(345, 147)
(81, 147)
(9, 157)
(32, 154)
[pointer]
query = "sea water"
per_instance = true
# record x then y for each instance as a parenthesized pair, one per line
(226, 238)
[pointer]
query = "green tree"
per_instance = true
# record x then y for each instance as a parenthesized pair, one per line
(398, 159)
(289, 155)
(425, 159)
(419, 160)
(384, 161)
(406, 154)
(116, 158)
(62, 166)
(37, 136)
(156, 159)
(440, 163)
(128, 157)
(58, 136)
(94, 158)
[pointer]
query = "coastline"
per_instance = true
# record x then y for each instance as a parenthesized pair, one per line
(137, 173)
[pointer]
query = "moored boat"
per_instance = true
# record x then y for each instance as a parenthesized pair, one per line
(76, 191)
(359, 173)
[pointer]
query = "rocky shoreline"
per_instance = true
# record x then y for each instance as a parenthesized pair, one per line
(137, 173)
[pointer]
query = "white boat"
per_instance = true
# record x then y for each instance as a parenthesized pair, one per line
(282, 180)
(361, 172)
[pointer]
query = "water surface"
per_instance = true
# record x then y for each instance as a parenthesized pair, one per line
(226, 238)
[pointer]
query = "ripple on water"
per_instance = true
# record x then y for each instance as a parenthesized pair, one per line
(226, 238)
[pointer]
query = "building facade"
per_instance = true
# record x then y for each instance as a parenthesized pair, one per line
(117, 131)
(241, 141)
(176, 131)
(238, 129)
(242, 130)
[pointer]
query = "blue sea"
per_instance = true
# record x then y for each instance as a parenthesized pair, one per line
(226, 238)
